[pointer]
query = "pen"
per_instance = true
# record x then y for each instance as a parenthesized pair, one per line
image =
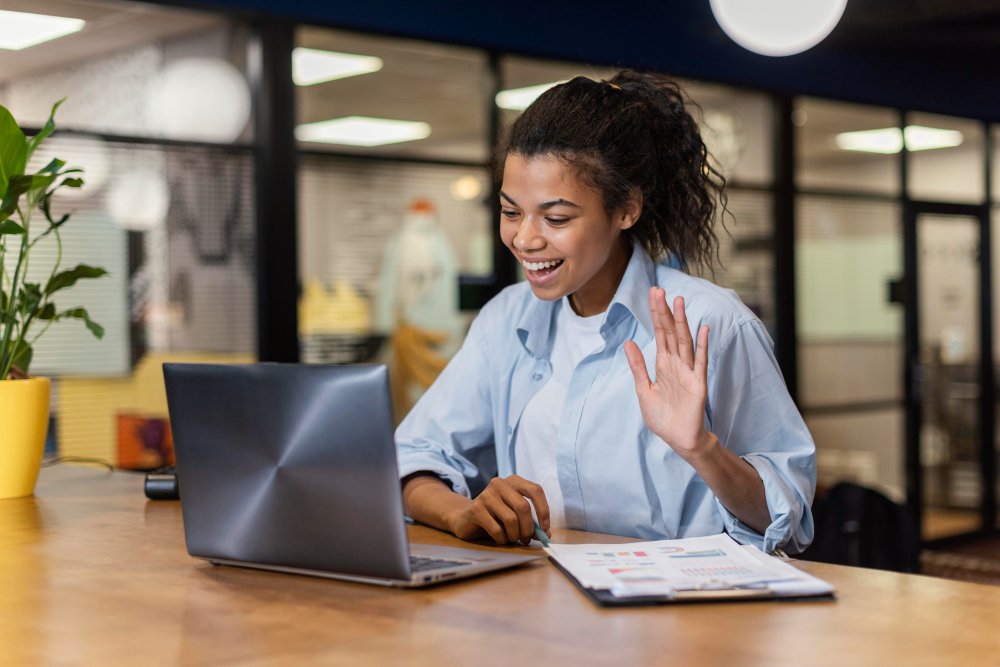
(541, 536)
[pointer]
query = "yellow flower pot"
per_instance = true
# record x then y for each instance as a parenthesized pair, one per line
(24, 421)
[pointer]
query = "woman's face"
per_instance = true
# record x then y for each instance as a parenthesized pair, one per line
(558, 230)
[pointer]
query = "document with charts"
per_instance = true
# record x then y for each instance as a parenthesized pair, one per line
(696, 568)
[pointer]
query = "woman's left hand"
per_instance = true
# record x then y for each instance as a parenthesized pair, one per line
(673, 406)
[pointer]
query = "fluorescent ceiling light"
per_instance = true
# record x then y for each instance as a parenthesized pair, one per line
(19, 30)
(519, 99)
(362, 131)
(312, 66)
(890, 139)
(777, 27)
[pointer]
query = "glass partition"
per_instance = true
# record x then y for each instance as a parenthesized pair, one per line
(843, 146)
(848, 255)
(157, 114)
(946, 158)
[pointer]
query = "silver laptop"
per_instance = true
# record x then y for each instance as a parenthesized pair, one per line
(293, 468)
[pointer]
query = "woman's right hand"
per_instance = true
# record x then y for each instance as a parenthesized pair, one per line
(502, 511)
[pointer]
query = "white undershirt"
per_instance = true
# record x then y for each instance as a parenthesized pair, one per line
(535, 440)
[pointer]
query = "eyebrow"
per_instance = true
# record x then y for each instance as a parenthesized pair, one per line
(544, 205)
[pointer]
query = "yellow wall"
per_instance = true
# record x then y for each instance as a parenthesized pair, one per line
(86, 408)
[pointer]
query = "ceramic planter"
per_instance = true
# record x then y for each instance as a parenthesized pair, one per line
(24, 421)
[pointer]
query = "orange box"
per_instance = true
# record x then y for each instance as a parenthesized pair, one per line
(144, 443)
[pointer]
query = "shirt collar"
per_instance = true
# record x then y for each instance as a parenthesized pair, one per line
(631, 300)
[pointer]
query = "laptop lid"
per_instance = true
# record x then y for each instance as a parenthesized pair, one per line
(289, 465)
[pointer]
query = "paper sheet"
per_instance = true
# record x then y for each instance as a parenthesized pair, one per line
(665, 567)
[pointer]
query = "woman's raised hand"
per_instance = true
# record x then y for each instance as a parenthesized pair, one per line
(503, 512)
(673, 406)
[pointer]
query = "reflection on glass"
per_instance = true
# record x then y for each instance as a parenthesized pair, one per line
(949, 357)
(173, 223)
(436, 88)
(825, 133)
(951, 173)
(850, 338)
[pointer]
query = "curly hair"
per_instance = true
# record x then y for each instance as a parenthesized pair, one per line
(632, 133)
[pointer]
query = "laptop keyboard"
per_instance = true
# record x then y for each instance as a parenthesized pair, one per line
(422, 563)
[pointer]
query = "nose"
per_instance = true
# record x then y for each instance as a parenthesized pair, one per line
(528, 238)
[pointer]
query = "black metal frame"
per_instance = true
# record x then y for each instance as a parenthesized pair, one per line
(912, 209)
(276, 179)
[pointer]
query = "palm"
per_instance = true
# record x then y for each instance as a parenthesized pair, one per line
(673, 406)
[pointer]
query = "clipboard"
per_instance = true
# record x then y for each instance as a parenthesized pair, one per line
(783, 581)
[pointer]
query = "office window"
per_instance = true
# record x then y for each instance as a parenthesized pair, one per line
(172, 221)
(395, 97)
(843, 146)
(850, 337)
(946, 159)
(393, 212)
(746, 252)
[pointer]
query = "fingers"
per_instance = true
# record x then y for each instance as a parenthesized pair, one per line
(701, 354)
(684, 342)
(503, 510)
(536, 495)
(663, 326)
(637, 363)
(670, 327)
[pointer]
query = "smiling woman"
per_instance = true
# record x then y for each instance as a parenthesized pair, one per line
(602, 407)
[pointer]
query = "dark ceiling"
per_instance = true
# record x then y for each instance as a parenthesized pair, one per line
(926, 26)
(934, 55)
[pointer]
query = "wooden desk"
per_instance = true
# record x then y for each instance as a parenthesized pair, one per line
(93, 574)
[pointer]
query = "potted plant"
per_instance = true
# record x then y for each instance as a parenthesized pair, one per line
(26, 307)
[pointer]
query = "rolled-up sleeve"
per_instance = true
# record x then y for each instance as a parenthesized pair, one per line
(451, 425)
(752, 414)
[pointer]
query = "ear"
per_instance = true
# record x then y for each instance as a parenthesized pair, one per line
(629, 212)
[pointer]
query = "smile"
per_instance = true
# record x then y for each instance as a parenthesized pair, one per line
(541, 266)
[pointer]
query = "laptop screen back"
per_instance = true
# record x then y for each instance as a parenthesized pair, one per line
(289, 465)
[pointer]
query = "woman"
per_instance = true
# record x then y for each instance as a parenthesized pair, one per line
(595, 402)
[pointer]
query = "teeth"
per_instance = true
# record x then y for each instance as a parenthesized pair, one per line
(538, 266)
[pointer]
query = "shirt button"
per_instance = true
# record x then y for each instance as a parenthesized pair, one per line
(536, 376)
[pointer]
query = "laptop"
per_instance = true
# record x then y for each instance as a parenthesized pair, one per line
(293, 468)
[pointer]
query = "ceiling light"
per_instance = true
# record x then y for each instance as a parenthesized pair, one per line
(919, 138)
(519, 99)
(778, 27)
(312, 66)
(890, 139)
(362, 131)
(466, 188)
(19, 30)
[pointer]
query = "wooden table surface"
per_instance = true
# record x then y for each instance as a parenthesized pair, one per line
(91, 573)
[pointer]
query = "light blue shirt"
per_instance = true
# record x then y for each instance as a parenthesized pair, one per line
(616, 476)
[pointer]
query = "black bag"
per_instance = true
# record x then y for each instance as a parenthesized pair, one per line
(856, 525)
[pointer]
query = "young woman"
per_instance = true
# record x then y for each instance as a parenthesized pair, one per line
(611, 392)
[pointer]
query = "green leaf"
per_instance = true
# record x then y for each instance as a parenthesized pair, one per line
(68, 278)
(53, 166)
(13, 150)
(46, 206)
(30, 297)
(10, 227)
(49, 128)
(16, 187)
(81, 314)
(48, 312)
(22, 355)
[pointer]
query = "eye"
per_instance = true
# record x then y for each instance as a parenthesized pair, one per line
(556, 221)
(509, 213)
